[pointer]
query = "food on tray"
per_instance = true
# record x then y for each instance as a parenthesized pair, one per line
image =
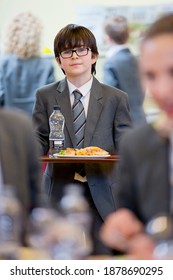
(88, 151)
(68, 151)
(91, 151)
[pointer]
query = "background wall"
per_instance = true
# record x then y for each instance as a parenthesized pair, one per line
(57, 13)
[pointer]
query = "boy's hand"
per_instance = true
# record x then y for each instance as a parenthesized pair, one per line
(119, 228)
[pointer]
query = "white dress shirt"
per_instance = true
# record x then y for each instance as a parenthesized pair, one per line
(84, 90)
(115, 49)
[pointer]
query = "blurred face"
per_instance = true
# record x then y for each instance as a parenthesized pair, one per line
(157, 70)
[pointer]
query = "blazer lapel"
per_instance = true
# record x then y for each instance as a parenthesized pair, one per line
(64, 102)
(94, 110)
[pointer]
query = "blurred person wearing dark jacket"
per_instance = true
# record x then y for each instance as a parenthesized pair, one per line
(120, 68)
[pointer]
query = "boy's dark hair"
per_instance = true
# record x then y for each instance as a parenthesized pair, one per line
(163, 25)
(72, 36)
(117, 29)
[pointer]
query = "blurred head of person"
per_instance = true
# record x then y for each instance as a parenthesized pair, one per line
(23, 36)
(73, 37)
(117, 30)
(156, 63)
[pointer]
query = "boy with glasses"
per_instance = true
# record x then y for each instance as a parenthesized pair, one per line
(104, 117)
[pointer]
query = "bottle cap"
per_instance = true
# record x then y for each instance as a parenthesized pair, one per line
(56, 107)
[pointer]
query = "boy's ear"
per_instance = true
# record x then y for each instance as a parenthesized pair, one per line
(58, 61)
(94, 57)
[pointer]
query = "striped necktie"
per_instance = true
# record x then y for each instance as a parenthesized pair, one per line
(79, 119)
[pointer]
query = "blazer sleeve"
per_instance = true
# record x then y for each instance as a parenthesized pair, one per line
(122, 119)
(41, 123)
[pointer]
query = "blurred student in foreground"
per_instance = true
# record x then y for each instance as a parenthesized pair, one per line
(121, 66)
(19, 165)
(146, 165)
(22, 69)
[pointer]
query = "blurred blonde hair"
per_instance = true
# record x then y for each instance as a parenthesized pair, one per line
(23, 36)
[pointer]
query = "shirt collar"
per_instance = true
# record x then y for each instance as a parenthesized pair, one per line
(115, 49)
(83, 89)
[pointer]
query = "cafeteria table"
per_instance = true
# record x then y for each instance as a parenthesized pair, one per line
(26, 253)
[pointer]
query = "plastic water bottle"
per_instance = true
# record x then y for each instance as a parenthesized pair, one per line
(10, 224)
(75, 209)
(56, 124)
(160, 228)
(41, 223)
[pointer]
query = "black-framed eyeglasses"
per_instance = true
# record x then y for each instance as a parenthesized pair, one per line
(79, 51)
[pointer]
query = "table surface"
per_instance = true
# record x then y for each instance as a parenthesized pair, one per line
(26, 253)
(111, 159)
